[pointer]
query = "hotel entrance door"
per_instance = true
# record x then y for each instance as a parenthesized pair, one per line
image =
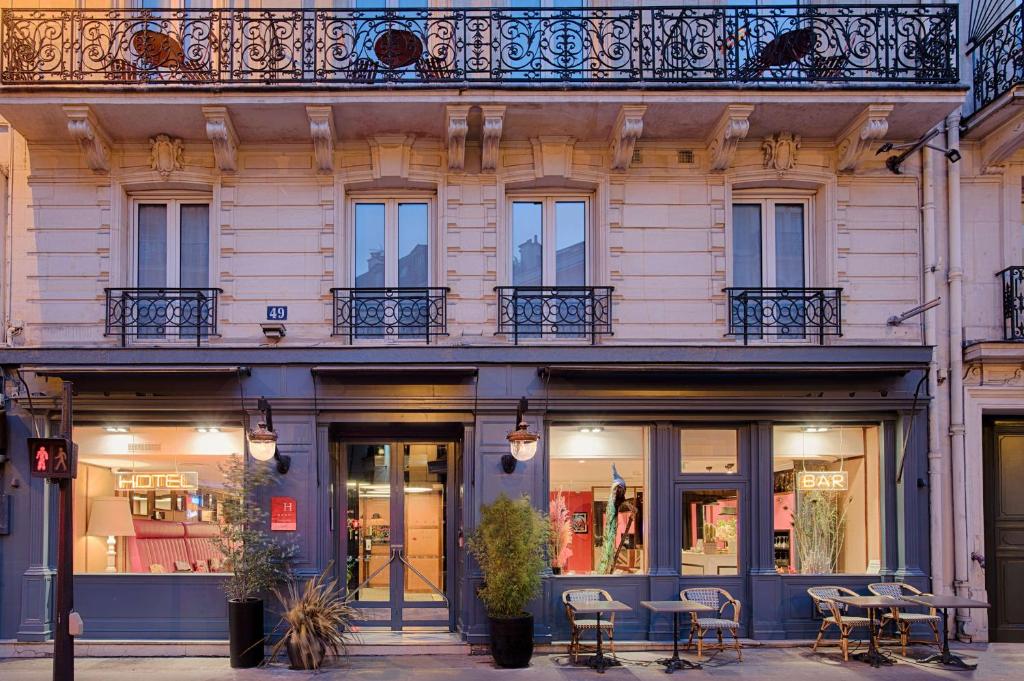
(396, 510)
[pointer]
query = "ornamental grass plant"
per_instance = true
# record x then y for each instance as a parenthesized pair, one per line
(315, 620)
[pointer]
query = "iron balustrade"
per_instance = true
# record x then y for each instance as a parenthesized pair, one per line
(559, 311)
(998, 60)
(395, 312)
(625, 46)
(161, 313)
(792, 313)
(1013, 303)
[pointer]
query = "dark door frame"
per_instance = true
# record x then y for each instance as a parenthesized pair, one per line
(993, 428)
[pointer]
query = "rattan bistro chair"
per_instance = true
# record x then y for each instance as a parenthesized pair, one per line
(702, 623)
(902, 619)
(834, 613)
(580, 625)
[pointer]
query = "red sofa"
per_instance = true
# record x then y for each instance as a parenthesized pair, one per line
(164, 543)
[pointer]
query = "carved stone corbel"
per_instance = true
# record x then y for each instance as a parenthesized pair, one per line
(321, 129)
(90, 137)
(872, 124)
(458, 127)
(732, 127)
(628, 126)
(222, 134)
(493, 121)
(1001, 144)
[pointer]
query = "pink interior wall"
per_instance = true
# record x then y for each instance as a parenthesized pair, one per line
(582, 559)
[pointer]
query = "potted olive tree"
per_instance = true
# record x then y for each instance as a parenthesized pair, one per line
(509, 544)
(253, 560)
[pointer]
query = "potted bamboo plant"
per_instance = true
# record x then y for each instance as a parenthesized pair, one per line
(509, 544)
(255, 562)
(315, 620)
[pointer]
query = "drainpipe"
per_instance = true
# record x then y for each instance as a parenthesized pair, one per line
(936, 483)
(961, 546)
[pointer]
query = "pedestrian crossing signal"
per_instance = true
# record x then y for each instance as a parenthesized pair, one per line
(51, 457)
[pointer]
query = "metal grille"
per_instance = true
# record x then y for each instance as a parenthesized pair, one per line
(998, 59)
(583, 312)
(793, 313)
(159, 314)
(410, 313)
(1013, 303)
(837, 44)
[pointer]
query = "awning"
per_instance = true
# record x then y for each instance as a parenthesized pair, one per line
(660, 371)
(410, 372)
(122, 370)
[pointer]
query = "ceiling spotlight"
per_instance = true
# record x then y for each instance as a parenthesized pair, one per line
(584, 430)
(207, 429)
(815, 429)
(116, 429)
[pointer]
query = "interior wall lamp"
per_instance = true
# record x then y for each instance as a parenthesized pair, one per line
(522, 441)
(263, 439)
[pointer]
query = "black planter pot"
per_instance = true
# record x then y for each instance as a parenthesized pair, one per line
(245, 632)
(512, 641)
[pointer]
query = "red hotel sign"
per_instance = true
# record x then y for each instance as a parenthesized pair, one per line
(284, 514)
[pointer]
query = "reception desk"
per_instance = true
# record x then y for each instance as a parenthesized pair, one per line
(700, 563)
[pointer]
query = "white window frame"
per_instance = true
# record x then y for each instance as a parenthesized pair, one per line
(391, 202)
(768, 200)
(173, 202)
(548, 233)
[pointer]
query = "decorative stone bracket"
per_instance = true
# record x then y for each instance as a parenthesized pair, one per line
(493, 122)
(90, 137)
(627, 130)
(458, 127)
(872, 124)
(731, 128)
(321, 129)
(222, 134)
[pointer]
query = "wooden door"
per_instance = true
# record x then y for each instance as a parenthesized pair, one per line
(1004, 528)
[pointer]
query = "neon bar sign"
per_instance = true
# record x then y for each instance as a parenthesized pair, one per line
(829, 481)
(185, 480)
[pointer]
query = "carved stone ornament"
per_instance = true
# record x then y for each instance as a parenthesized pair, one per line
(627, 129)
(780, 151)
(493, 122)
(92, 140)
(222, 135)
(730, 129)
(458, 127)
(165, 155)
(872, 124)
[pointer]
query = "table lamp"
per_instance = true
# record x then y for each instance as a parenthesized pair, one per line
(111, 517)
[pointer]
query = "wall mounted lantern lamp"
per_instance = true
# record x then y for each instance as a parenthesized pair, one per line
(263, 439)
(522, 441)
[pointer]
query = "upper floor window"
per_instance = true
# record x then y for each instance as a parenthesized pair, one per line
(549, 241)
(172, 243)
(392, 243)
(769, 243)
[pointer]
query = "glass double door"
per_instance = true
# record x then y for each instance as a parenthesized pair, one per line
(396, 511)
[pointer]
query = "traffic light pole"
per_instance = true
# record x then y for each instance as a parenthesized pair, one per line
(63, 643)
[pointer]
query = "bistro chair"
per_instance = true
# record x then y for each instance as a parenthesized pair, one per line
(702, 623)
(580, 625)
(902, 619)
(834, 613)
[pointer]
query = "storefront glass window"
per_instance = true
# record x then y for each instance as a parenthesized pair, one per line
(711, 532)
(151, 497)
(709, 450)
(827, 499)
(598, 499)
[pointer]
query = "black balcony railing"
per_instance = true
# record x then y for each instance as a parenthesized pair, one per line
(793, 313)
(1013, 303)
(399, 312)
(998, 59)
(842, 43)
(162, 313)
(555, 311)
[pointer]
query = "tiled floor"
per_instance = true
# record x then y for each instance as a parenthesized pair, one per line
(996, 662)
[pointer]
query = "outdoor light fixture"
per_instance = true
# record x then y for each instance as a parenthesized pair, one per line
(895, 163)
(521, 441)
(263, 439)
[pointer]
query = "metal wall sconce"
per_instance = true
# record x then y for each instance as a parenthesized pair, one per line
(263, 439)
(522, 441)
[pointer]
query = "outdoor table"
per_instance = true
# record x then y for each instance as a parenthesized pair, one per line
(873, 656)
(676, 608)
(598, 661)
(942, 603)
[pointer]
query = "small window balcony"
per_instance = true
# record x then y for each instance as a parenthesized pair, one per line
(162, 314)
(1013, 303)
(392, 313)
(562, 312)
(785, 313)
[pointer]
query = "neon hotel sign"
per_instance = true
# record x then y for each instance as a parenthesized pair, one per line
(184, 480)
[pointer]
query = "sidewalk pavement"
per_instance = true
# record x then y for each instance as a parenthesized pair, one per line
(995, 661)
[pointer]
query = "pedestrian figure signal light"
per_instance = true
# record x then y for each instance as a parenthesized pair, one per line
(51, 457)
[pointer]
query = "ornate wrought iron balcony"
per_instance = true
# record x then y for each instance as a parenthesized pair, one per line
(403, 312)
(793, 313)
(555, 311)
(1013, 303)
(162, 313)
(998, 59)
(670, 46)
